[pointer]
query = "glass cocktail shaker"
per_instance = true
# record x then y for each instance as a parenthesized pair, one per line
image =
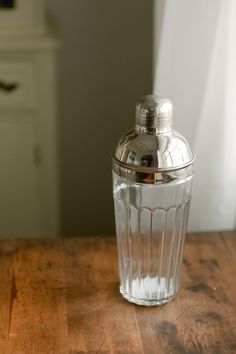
(152, 179)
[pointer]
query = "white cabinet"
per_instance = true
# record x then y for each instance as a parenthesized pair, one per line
(28, 137)
(17, 84)
(22, 17)
(20, 205)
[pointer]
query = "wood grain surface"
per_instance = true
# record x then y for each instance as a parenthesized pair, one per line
(62, 297)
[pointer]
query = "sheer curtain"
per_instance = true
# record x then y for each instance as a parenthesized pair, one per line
(195, 66)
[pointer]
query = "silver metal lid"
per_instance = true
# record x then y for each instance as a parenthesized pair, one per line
(153, 146)
(155, 113)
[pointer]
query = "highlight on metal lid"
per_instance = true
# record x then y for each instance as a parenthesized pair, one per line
(154, 112)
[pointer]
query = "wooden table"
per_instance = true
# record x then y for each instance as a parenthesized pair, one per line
(62, 297)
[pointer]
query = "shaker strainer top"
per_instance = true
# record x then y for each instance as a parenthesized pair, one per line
(153, 146)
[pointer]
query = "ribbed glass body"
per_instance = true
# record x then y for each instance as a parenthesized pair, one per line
(151, 223)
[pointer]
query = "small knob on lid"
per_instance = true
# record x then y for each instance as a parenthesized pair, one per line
(154, 114)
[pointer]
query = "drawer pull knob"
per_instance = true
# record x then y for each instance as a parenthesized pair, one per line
(8, 86)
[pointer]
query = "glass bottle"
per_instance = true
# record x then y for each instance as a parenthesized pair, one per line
(152, 180)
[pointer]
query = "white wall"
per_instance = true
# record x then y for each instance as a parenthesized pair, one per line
(195, 66)
(105, 63)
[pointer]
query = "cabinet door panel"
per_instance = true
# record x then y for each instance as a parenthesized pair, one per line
(20, 205)
(17, 85)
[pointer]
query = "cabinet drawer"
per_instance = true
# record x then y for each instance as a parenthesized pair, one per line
(17, 87)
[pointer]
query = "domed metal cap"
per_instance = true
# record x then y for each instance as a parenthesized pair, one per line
(153, 147)
(154, 112)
